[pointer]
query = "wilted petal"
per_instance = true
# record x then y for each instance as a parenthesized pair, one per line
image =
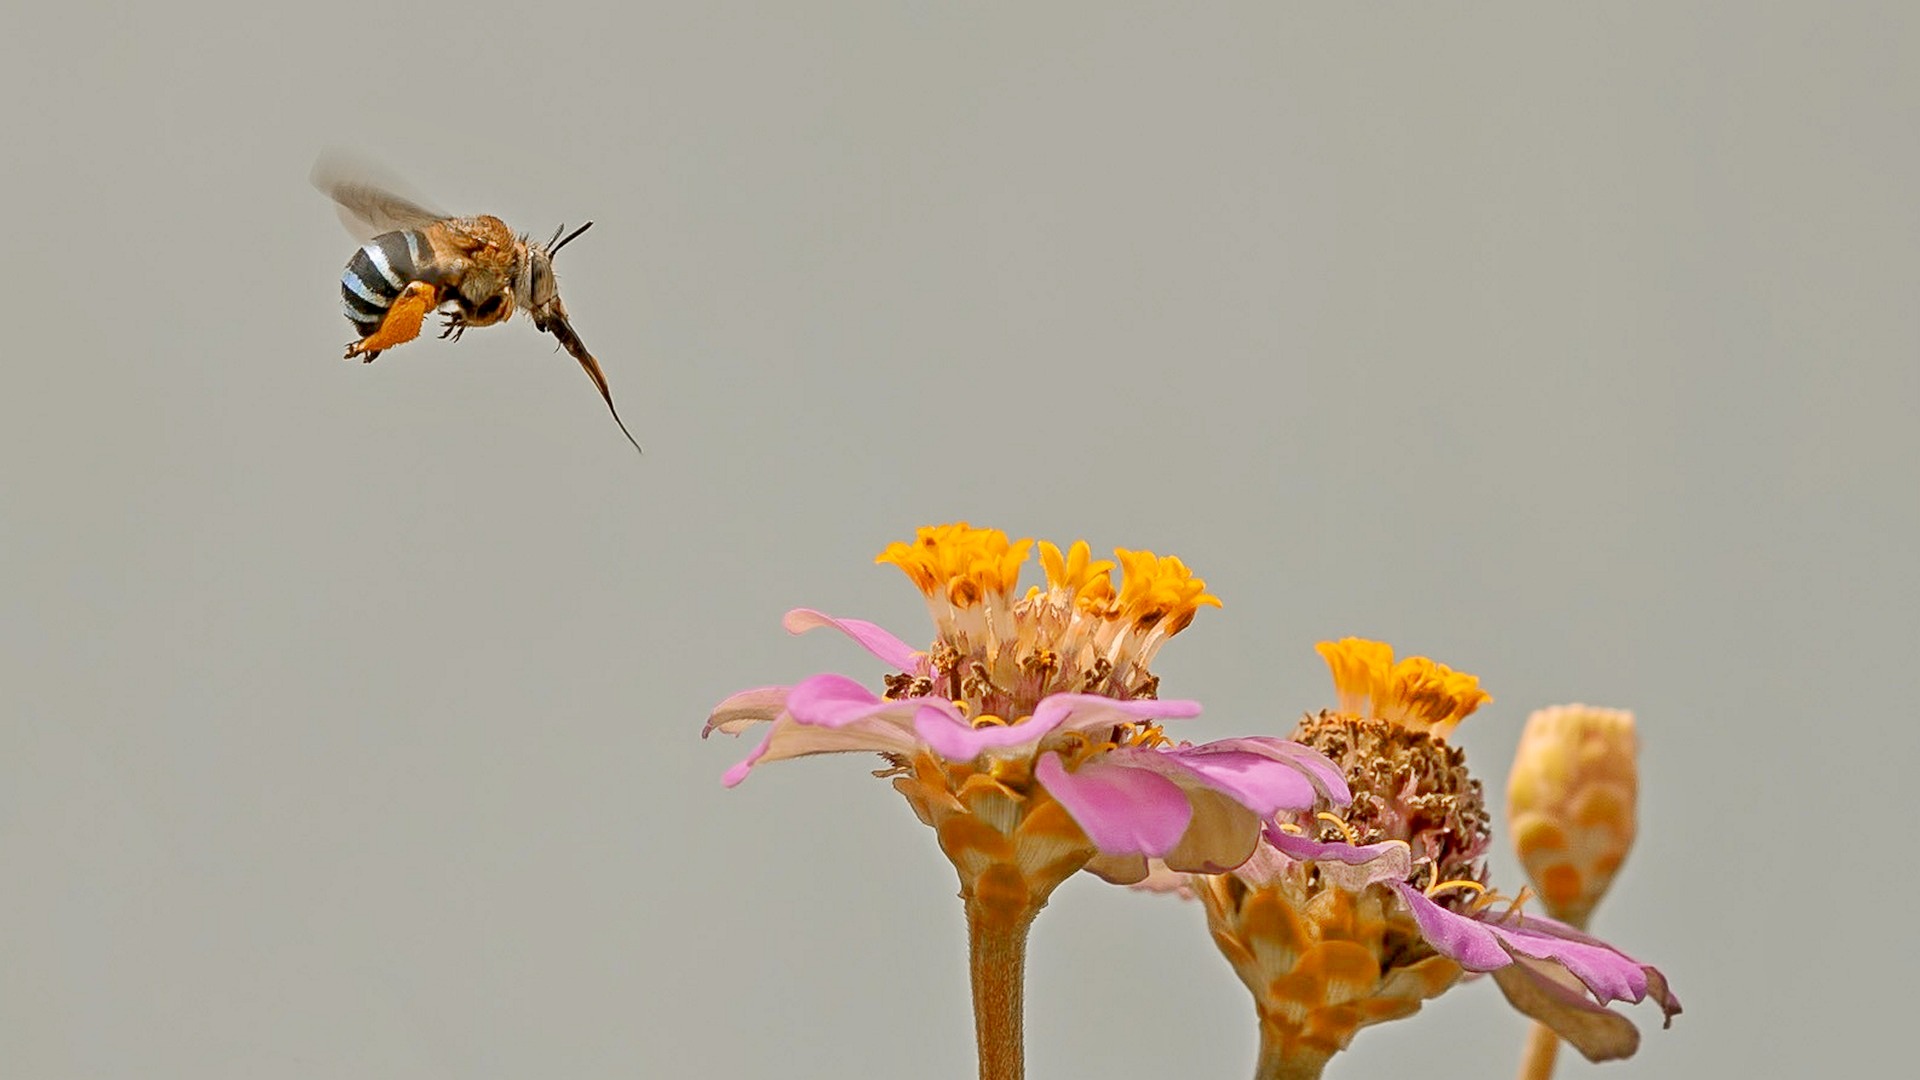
(1611, 974)
(790, 738)
(1562, 953)
(746, 708)
(1546, 992)
(1264, 866)
(1125, 870)
(1123, 811)
(1348, 866)
(1157, 877)
(890, 649)
(1222, 834)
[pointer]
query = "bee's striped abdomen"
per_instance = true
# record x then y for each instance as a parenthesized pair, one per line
(375, 275)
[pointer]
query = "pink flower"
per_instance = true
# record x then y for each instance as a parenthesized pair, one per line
(1028, 737)
(1135, 794)
(1323, 923)
(1547, 969)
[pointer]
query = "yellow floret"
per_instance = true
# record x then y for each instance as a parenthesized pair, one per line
(1416, 693)
(1159, 590)
(963, 563)
(1088, 581)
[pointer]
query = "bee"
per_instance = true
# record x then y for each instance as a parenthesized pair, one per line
(473, 269)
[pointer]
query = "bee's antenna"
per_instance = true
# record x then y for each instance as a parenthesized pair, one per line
(555, 236)
(552, 248)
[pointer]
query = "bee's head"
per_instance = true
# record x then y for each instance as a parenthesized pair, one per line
(540, 290)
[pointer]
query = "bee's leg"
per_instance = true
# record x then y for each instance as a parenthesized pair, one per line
(456, 325)
(402, 323)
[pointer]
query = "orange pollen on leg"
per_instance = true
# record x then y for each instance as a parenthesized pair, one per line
(403, 319)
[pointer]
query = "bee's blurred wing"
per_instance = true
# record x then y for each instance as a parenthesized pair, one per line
(560, 328)
(365, 200)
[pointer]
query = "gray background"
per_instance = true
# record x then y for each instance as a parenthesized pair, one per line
(350, 712)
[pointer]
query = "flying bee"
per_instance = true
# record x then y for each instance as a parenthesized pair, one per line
(474, 269)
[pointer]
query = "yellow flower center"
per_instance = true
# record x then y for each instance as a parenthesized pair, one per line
(968, 566)
(1083, 632)
(1416, 693)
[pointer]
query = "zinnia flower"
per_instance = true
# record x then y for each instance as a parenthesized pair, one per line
(1338, 923)
(1028, 736)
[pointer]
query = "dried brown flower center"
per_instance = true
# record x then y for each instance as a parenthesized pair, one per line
(1407, 785)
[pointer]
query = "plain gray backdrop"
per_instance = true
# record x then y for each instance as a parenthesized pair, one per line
(349, 714)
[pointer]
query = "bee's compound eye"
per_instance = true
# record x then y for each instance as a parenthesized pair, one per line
(490, 307)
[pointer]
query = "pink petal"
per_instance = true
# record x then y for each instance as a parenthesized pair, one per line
(1469, 942)
(1606, 972)
(1609, 973)
(1124, 811)
(1324, 773)
(891, 650)
(1090, 712)
(941, 727)
(955, 738)
(1258, 782)
(746, 708)
(835, 701)
(740, 769)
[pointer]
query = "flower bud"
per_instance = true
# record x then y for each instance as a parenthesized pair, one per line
(1570, 804)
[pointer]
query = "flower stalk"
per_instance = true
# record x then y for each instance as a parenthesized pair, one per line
(1010, 852)
(1279, 1061)
(1543, 1048)
(997, 963)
